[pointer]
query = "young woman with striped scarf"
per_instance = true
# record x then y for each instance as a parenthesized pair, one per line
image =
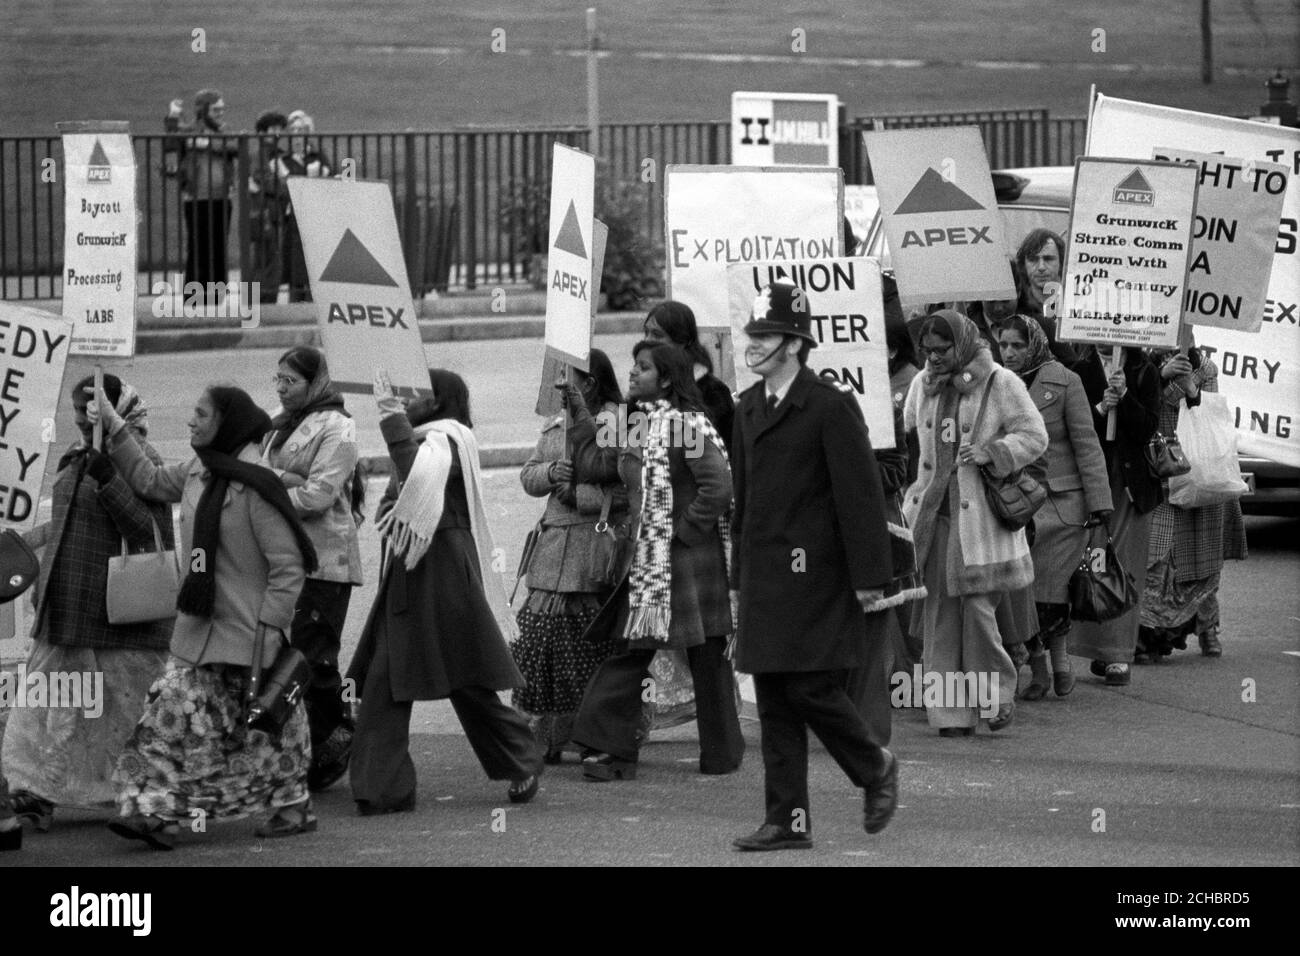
(679, 483)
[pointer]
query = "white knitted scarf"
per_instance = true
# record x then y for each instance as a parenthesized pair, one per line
(408, 528)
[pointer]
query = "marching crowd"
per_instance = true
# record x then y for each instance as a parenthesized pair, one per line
(758, 533)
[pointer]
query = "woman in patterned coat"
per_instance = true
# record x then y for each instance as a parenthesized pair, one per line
(64, 755)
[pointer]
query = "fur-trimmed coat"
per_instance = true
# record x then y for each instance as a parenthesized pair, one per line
(983, 555)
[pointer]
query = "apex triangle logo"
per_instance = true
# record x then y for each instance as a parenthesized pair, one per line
(352, 262)
(570, 236)
(99, 169)
(933, 193)
(1135, 190)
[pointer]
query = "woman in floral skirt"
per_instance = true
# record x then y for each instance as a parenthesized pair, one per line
(192, 755)
(565, 590)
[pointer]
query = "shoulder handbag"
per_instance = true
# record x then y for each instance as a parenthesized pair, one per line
(526, 558)
(611, 546)
(1014, 498)
(1165, 458)
(273, 694)
(18, 565)
(1100, 588)
(142, 587)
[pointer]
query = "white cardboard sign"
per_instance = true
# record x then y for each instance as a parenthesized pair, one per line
(570, 291)
(99, 237)
(848, 319)
(1259, 373)
(34, 348)
(941, 214)
(1127, 252)
(359, 283)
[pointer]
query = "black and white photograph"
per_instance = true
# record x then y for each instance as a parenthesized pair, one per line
(678, 435)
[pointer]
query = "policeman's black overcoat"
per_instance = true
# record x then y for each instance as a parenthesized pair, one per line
(809, 529)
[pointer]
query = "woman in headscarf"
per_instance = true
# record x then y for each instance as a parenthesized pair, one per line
(312, 446)
(1187, 545)
(579, 477)
(967, 414)
(440, 622)
(1078, 495)
(192, 754)
(60, 754)
(679, 484)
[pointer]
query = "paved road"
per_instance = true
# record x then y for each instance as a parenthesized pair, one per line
(1186, 772)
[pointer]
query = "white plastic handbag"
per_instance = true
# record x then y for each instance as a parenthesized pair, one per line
(142, 587)
(1210, 443)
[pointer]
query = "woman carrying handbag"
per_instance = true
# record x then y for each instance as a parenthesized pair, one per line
(192, 755)
(1078, 495)
(64, 755)
(570, 572)
(1133, 393)
(1187, 546)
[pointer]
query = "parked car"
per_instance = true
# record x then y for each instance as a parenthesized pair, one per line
(1039, 196)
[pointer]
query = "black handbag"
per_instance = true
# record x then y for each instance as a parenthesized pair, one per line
(273, 694)
(1101, 593)
(1015, 498)
(611, 547)
(18, 565)
(1165, 458)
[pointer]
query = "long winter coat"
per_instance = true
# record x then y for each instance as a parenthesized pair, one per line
(322, 451)
(808, 530)
(983, 555)
(259, 570)
(441, 633)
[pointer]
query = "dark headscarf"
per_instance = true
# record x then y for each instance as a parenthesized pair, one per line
(965, 337)
(241, 422)
(1039, 351)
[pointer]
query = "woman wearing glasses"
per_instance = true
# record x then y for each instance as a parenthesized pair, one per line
(312, 447)
(967, 414)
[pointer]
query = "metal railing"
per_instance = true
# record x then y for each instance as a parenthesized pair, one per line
(471, 204)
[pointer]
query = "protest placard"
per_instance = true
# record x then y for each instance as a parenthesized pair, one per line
(861, 203)
(34, 347)
(359, 283)
(785, 129)
(1259, 372)
(553, 364)
(1127, 253)
(718, 215)
(941, 214)
(1238, 208)
(99, 237)
(848, 319)
(570, 291)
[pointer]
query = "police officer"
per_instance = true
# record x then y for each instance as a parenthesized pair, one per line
(811, 551)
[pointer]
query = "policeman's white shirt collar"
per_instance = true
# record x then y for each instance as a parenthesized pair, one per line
(781, 392)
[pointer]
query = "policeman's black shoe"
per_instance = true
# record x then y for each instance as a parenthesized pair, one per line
(881, 799)
(772, 837)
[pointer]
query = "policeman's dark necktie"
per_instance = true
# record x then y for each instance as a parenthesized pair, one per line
(771, 405)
